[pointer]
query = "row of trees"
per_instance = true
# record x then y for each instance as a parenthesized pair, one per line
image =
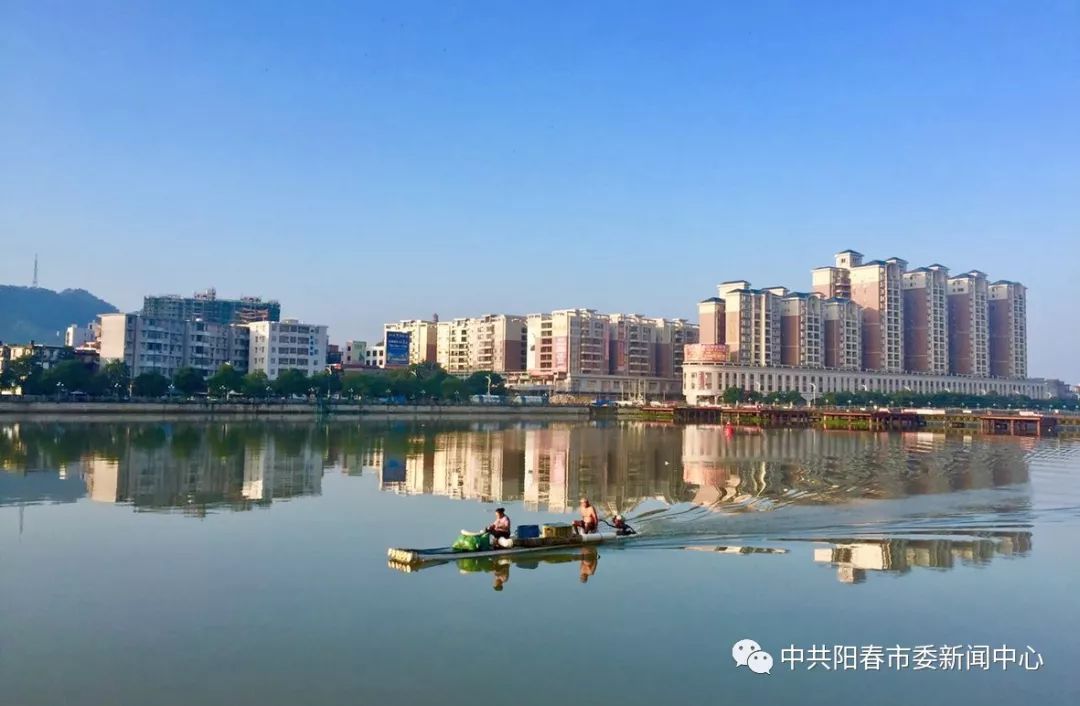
(427, 381)
(72, 375)
(734, 395)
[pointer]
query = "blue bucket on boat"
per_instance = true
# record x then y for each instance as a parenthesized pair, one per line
(528, 531)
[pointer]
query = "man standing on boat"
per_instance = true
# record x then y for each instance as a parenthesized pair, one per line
(589, 521)
(500, 528)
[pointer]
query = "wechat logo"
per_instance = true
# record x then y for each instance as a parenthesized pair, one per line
(748, 653)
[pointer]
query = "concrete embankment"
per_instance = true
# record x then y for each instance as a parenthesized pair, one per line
(70, 411)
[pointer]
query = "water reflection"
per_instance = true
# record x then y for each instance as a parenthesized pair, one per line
(763, 470)
(191, 468)
(547, 468)
(585, 559)
(853, 558)
(627, 468)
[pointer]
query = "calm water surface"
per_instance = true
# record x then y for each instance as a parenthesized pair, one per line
(237, 563)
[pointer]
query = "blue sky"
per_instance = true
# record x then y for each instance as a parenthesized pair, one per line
(369, 162)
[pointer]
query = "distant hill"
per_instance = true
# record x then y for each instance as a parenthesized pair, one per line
(36, 314)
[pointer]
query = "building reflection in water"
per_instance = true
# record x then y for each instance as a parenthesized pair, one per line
(853, 558)
(623, 467)
(187, 467)
(752, 470)
(547, 468)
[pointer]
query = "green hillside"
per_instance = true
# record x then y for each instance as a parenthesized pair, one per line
(37, 314)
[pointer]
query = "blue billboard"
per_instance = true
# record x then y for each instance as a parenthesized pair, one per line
(397, 349)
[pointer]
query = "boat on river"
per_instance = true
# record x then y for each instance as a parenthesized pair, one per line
(518, 545)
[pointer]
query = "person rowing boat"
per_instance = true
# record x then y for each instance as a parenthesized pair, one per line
(500, 528)
(590, 521)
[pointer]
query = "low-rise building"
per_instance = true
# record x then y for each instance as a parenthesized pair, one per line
(76, 336)
(375, 355)
(705, 383)
(354, 354)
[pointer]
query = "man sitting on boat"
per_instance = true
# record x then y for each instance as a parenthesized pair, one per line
(500, 528)
(589, 521)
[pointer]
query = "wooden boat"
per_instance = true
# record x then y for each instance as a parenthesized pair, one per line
(411, 557)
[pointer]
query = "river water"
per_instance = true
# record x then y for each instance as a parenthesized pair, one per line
(245, 563)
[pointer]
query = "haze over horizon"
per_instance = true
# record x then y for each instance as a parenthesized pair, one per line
(368, 164)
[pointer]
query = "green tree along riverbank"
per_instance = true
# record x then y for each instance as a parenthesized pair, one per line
(423, 382)
(941, 400)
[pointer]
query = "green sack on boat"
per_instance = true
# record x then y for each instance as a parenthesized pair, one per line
(472, 542)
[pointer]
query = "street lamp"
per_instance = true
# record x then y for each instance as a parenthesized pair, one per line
(813, 394)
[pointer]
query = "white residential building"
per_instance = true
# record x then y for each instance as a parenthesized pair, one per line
(76, 336)
(452, 345)
(277, 346)
(153, 345)
(375, 355)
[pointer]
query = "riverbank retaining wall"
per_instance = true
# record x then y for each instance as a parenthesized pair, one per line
(137, 410)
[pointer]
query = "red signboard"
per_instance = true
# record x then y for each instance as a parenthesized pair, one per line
(706, 353)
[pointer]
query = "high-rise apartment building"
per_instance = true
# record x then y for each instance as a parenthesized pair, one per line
(150, 345)
(926, 320)
(672, 337)
(496, 342)
(569, 341)
(711, 321)
(1008, 329)
(206, 306)
(423, 339)
(633, 341)
(875, 287)
(277, 346)
(452, 345)
(802, 330)
(969, 323)
(752, 323)
(842, 326)
(835, 280)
